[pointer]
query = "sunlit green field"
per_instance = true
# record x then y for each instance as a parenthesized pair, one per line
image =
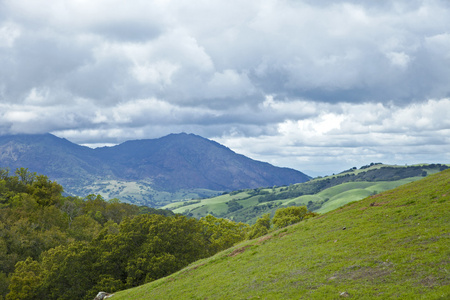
(394, 245)
(333, 197)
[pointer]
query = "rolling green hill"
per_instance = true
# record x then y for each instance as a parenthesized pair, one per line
(393, 245)
(319, 195)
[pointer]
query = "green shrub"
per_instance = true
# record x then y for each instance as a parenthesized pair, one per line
(289, 215)
(260, 228)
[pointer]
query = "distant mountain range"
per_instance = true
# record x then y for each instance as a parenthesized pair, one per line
(151, 172)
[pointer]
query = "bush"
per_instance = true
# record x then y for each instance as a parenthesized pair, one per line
(289, 215)
(260, 228)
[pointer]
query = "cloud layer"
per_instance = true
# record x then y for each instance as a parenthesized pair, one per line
(316, 85)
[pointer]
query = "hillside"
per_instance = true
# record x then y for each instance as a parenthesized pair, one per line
(391, 245)
(149, 172)
(319, 195)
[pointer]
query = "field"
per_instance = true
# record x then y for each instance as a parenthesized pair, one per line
(319, 195)
(390, 245)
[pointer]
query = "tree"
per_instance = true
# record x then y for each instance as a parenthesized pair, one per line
(25, 176)
(84, 228)
(25, 281)
(289, 215)
(148, 247)
(260, 228)
(222, 233)
(45, 191)
(68, 272)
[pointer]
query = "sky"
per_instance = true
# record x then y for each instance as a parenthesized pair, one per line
(318, 86)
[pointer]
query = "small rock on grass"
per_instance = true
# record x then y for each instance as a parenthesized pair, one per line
(103, 295)
(344, 294)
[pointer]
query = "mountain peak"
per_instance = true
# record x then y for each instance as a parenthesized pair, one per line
(169, 164)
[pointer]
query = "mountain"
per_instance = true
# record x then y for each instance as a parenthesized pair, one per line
(392, 245)
(47, 154)
(151, 172)
(180, 161)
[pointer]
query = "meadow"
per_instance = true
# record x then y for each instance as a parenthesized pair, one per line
(320, 195)
(390, 245)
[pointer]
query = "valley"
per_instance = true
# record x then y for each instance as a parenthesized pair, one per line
(319, 195)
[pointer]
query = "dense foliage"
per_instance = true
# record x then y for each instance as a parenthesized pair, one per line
(56, 247)
(289, 215)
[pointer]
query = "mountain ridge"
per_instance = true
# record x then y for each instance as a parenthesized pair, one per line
(168, 164)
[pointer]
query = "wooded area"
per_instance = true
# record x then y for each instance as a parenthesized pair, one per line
(61, 247)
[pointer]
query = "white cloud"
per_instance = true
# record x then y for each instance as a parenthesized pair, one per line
(9, 32)
(159, 73)
(229, 84)
(276, 79)
(440, 45)
(36, 97)
(348, 134)
(172, 49)
(399, 59)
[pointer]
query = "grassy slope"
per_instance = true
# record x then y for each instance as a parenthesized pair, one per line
(359, 190)
(395, 245)
(330, 198)
(338, 196)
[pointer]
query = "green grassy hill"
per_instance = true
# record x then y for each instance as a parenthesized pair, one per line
(394, 245)
(319, 195)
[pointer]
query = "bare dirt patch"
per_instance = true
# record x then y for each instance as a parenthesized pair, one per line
(238, 251)
(429, 281)
(378, 203)
(375, 196)
(265, 238)
(283, 234)
(197, 266)
(366, 273)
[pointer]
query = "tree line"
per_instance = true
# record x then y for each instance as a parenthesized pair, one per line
(63, 247)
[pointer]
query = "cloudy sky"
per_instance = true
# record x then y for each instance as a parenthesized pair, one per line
(319, 86)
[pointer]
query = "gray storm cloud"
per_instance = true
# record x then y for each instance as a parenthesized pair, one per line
(265, 72)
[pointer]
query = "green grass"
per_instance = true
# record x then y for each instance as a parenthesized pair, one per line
(395, 245)
(335, 197)
(354, 191)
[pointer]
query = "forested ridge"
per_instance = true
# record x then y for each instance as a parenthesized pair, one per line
(63, 247)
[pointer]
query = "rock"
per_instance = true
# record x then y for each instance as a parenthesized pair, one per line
(344, 294)
(332, 278)
(102, 296)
